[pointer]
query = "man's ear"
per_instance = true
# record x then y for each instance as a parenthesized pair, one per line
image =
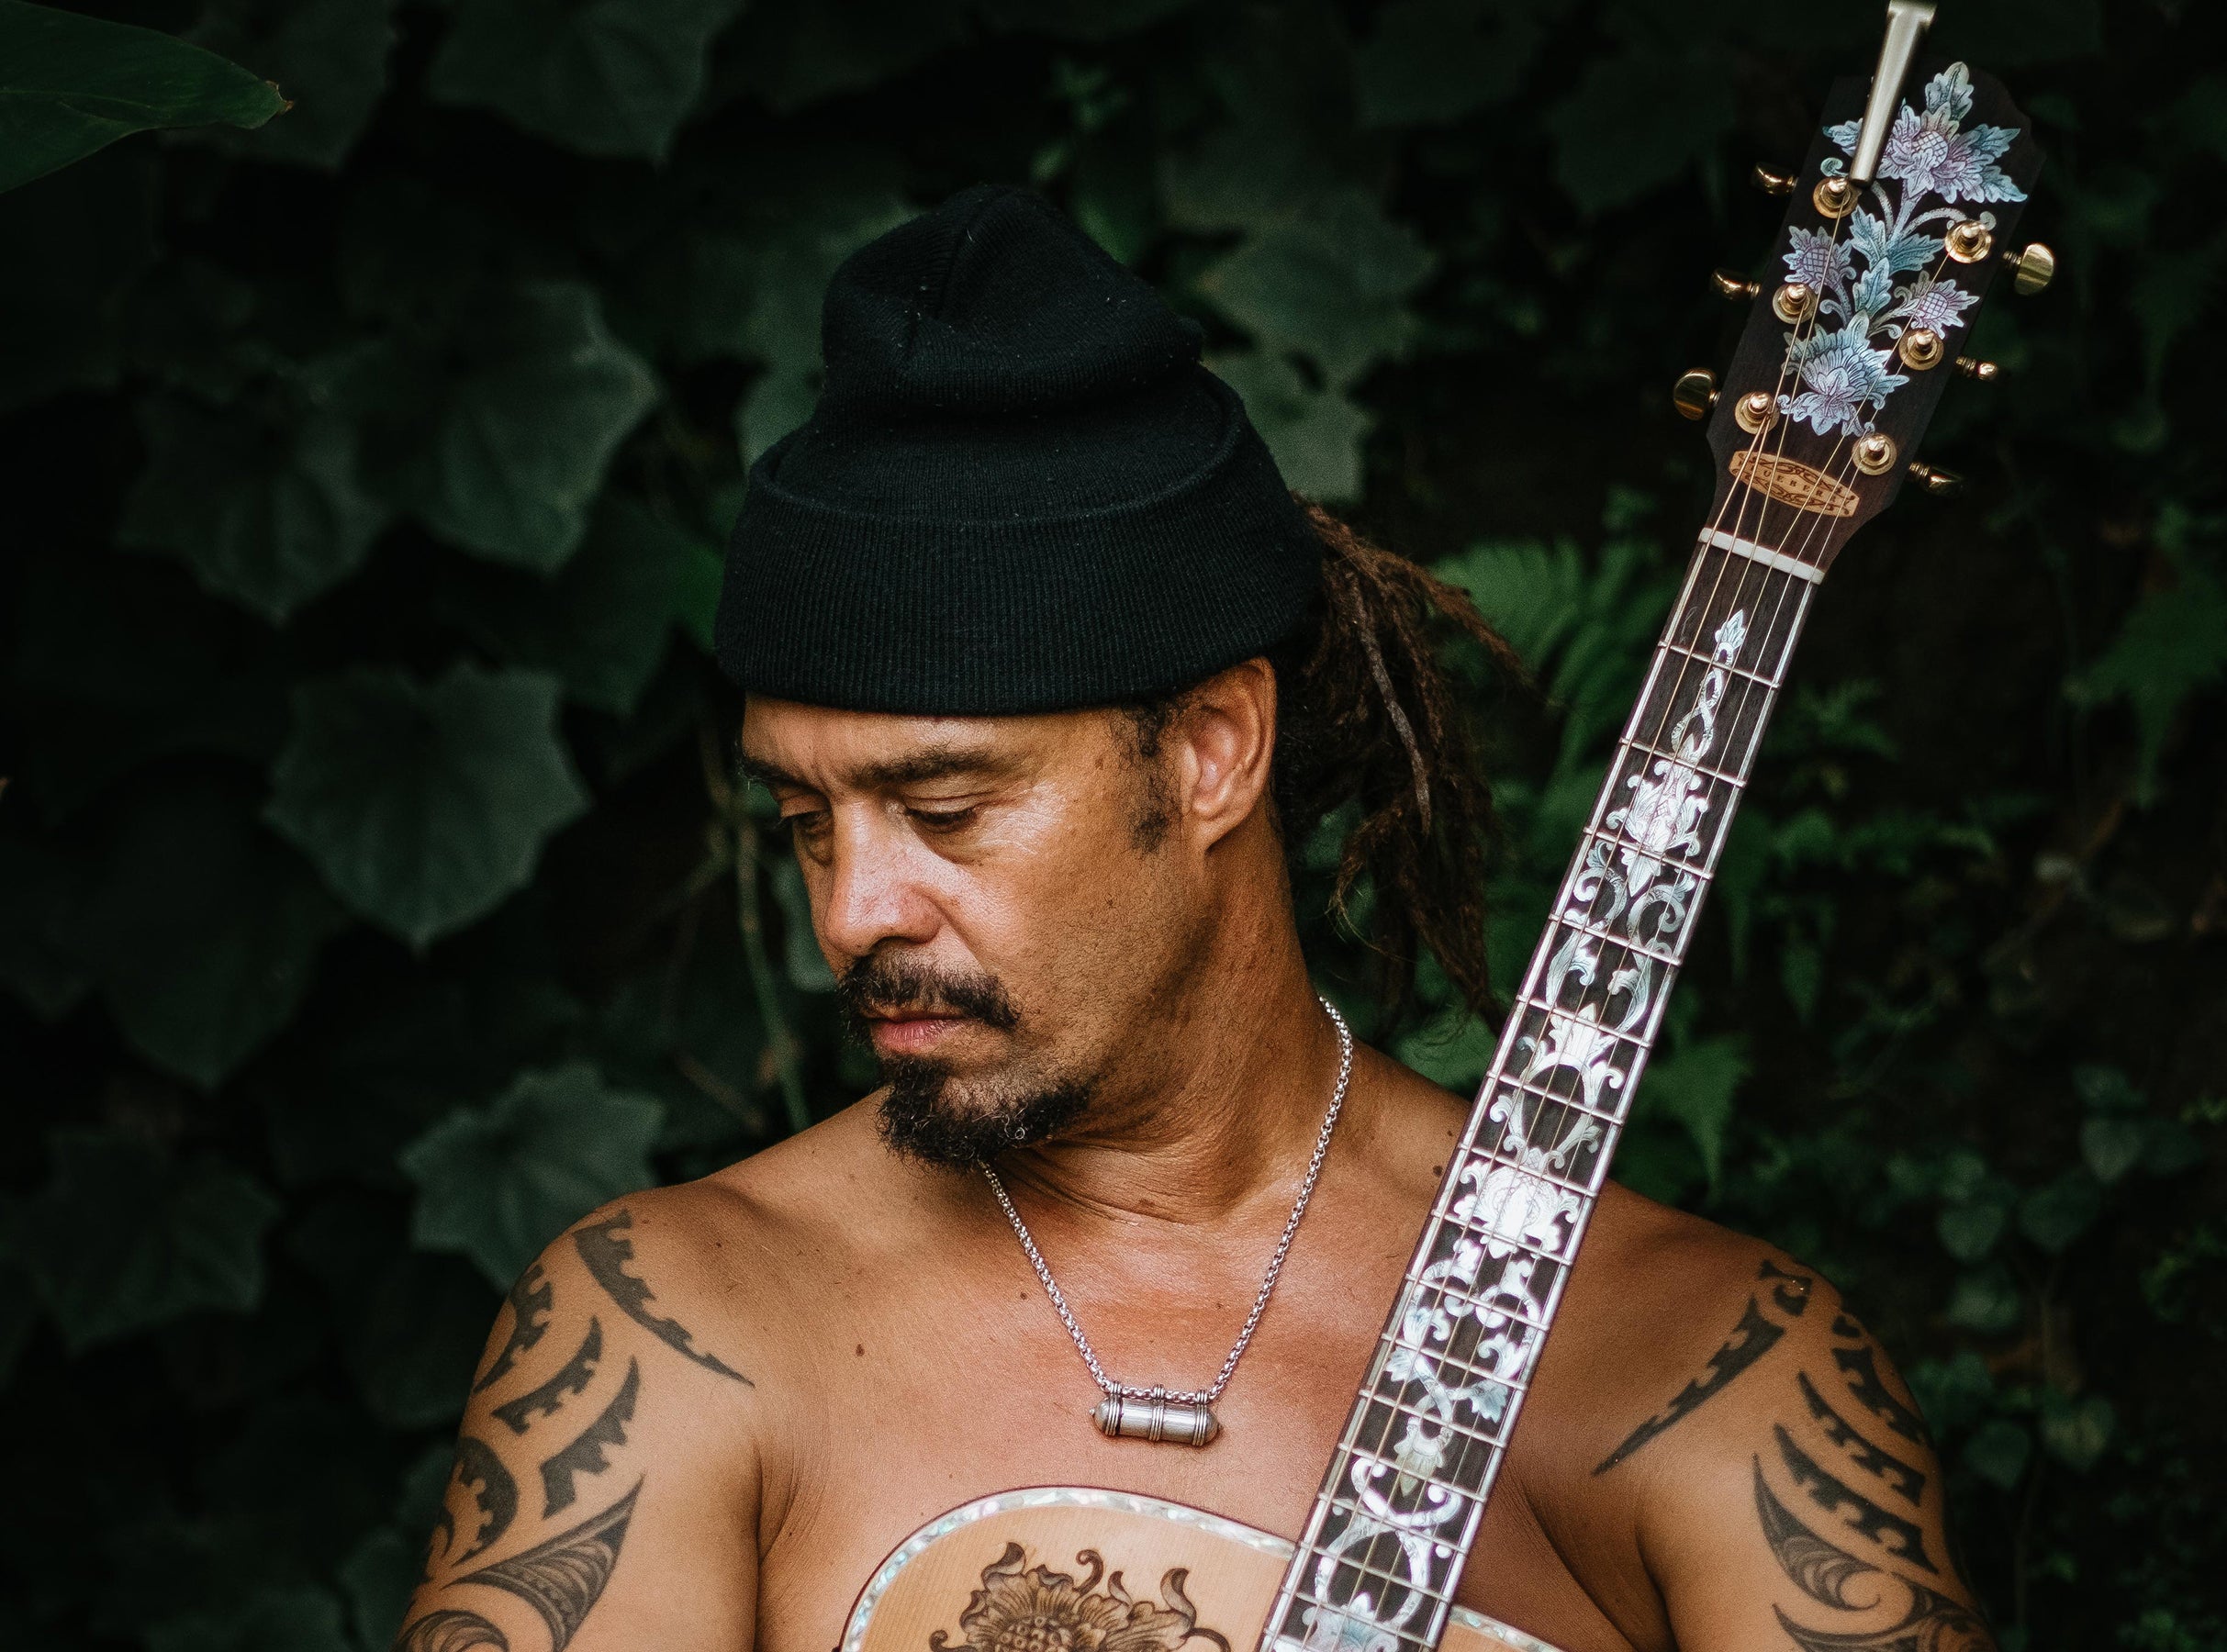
(1228, 738)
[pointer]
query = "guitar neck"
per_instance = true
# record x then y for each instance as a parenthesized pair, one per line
(1382, 1553)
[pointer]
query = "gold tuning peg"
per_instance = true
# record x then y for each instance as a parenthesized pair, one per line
(2032, 268)
(1934, 480)
(1986, 373)
(1695, 393)
(1731, 283)
(1772, 183)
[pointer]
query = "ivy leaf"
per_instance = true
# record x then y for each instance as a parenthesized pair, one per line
(2112, 1146)
(497, 1184)
(298, 1618)
(1968, 1232)
(203, 933)
(1695, 1087)
(268, 516)
(2059, 1211)
(1453, 1050)
(72, 85)
(602, 77)
(424, 805)
(2172, 646)
(1985, 1300)
(1328, 282)
(1998, 1451)
(1314, 435)
(1436, 60)
(124, 1238)
(601, 623)
(2076, 1431)
(330, 55)
(1637, 120)
(527, 418)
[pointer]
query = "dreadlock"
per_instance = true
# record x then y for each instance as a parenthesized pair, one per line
(1367, 714)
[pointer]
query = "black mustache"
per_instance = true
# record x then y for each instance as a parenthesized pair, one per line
(885, 984)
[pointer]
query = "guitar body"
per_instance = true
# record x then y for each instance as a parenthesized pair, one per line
(1056, 1568)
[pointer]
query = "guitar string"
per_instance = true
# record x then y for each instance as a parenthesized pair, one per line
(1735, 504)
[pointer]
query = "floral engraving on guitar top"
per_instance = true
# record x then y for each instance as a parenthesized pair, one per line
(1845, 374)
(1024, 1608)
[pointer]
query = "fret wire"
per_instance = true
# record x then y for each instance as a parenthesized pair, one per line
(1354, 1574)
(1632, 745)
(1346, 1564)
(1714, 664)
(1476, 1448)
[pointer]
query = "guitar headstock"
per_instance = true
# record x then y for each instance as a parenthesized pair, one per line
(1857, 326)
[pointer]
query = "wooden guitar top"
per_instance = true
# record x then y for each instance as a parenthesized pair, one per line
(1073, 1567)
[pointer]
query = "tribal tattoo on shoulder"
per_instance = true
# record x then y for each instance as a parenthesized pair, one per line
(1756, 1335)
(530, 1301)
(562, 1579)
(548, 1399)
(1920, 1619)
(605, 1252)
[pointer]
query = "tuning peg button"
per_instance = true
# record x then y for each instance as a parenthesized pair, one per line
(2032, 268)
(1772, 183)
(1985, 373)
(1695, 393)
(1731, 283)
(1934, 479)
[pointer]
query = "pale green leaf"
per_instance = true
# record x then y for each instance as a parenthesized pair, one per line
(603, 77)
(125, 1237)
(1968, 1232)
(269, 517)
(1314, 435)
(2172, 646)
(2077, 1431)
(599, 623)
(424, 805)
(497, 1183)
(1998, 1451)
(2112, 1146)
(2059, 1211)
(71, 84)
(541, 396)
(1695, 1087)
(1636, 121)
(202, 932)
(1987, 1300)
(1329, 283)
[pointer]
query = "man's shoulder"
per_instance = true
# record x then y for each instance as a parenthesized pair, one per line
(1672, 1326)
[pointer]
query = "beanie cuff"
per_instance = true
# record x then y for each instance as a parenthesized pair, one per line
(953, 616)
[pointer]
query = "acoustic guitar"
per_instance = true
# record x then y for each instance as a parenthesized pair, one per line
(1898, 227)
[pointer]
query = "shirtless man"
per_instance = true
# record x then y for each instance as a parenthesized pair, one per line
(1050, 677)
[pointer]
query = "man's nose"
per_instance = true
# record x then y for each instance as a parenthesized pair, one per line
(870, 896)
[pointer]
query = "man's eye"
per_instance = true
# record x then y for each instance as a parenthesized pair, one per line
(810, 822)
(945, 819)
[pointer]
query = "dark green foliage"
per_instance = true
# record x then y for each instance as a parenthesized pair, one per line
(69, 84)
(374, 899)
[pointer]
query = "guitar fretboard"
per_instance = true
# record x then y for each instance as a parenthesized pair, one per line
(1382, 1552)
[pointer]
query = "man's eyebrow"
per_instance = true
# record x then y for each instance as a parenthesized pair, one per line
(934, 763)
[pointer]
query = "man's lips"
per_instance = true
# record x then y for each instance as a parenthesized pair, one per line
(909, 1031)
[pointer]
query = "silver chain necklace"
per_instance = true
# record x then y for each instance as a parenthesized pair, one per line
(1184, 1416)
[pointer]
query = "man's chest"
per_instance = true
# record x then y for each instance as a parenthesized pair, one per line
(931, 1400)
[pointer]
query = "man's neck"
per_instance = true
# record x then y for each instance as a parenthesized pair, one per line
(1213, 1118)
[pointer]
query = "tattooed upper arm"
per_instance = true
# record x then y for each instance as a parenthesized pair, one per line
(1791, 1498)
(605, 1451)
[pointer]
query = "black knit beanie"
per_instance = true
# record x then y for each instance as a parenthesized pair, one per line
(1019, 492)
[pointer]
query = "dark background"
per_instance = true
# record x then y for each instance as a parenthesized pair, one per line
(368, 880)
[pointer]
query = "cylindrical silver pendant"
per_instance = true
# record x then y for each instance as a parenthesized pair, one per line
(1120, 1417)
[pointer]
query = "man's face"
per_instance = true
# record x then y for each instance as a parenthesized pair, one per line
(999, 898)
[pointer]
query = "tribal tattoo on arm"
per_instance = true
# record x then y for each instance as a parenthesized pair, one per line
(530, 1301)
(562, 1579)
(605, 1252)
(1921, 1619)
(1755, 1335)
